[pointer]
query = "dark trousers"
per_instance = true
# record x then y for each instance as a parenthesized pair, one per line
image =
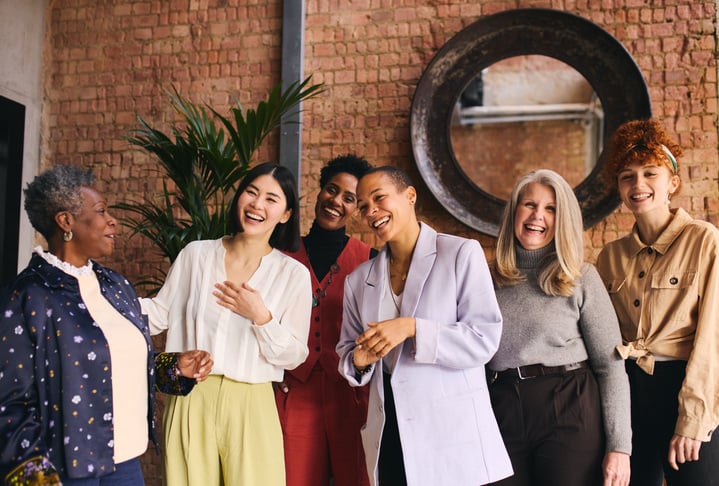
(552, 428)
(654, 415)
(391, 463)
(128, 473)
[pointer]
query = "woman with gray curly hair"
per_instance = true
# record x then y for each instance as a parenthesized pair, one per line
(77, 369)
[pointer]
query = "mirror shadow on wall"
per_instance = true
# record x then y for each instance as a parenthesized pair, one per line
(516, 91)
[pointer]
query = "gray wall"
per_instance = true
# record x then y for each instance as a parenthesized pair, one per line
(22, 31)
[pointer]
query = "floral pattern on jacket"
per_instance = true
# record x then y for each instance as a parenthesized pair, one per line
(55, 375)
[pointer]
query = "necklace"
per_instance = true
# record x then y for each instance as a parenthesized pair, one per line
(321, 293)
(391, 291)
(401, 275)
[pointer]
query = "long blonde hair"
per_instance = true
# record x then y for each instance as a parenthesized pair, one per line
(559, 274)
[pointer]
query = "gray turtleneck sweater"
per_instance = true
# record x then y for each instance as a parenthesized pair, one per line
(557, 330)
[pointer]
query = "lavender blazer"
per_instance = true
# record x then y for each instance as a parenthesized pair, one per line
(447, 428)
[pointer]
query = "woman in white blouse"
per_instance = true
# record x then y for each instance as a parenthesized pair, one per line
(248, 304)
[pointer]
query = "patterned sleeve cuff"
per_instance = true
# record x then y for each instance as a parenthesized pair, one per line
(168, 378)
(36, 471)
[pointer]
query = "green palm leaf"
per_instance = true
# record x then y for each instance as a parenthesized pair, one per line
(205, 156)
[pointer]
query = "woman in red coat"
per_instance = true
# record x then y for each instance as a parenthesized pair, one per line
(321, 414)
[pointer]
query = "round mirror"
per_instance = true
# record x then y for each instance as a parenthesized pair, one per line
(519, 90)
(524, 113)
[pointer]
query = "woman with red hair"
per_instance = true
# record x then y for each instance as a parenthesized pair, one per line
(663, 281)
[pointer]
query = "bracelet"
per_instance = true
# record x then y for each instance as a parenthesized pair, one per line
(358, 371)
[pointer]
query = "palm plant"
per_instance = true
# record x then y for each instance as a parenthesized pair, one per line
(205, 162)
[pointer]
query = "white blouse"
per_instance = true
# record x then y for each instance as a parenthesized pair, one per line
(242, 351)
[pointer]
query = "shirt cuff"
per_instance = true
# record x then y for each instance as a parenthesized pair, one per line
(35, 471)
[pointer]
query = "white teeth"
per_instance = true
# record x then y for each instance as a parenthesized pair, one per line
(333, 212)
(380, 222)
(639, 197)
(531, 227)
(254, 217)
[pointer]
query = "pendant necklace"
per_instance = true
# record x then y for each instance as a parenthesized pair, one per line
(402, 276)
(321, 293)
(391, 291)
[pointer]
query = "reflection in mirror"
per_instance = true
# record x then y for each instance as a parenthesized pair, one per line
(524, 113)
(607, 66)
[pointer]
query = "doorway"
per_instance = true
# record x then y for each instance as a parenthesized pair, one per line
(12, 136)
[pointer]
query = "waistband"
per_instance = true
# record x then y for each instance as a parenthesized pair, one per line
(536, 370)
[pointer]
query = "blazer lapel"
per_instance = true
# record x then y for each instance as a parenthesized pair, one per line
(425, 253)
(375, 282)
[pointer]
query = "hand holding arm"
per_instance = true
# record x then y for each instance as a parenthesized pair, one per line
(362, 358)
(382, 337)
(243, 300)
(195, 364)
(616, 469)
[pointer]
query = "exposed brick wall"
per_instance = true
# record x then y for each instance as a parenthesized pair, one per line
(107, 61)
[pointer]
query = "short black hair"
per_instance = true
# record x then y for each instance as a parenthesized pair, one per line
(285, 236)
(349, 163)
(399, 177)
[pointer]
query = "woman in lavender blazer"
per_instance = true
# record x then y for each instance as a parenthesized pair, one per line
(420, 321)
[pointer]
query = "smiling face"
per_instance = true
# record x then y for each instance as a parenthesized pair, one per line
(336, 202)
(261, 206)
(384, 207)
(646, 188)
(93, 229)
(534, 216)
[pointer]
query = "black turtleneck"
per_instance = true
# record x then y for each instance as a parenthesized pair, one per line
(324, 247)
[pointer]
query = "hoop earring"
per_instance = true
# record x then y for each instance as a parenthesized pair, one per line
(67, 235)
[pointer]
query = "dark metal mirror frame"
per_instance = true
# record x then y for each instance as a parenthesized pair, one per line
(589, 49)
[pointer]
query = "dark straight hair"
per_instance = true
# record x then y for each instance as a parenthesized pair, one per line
(285, 236)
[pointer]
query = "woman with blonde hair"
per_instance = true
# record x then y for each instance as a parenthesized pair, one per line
(663, 281)
(558, 388)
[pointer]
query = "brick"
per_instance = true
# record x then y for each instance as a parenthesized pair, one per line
(370, 54)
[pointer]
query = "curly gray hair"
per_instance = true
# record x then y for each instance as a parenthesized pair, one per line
(53, 191)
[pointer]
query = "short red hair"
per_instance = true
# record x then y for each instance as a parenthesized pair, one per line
(642, 142)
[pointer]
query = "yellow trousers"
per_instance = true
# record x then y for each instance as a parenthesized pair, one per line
(223, 433)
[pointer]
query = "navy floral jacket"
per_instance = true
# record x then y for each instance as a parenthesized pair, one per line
(55, 376)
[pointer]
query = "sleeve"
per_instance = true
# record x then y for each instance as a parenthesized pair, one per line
(600, 331)
(352, 327)
(175, 289)
(473, 338)
(36, 471)
(167, 376)
(24, 457)
(283, 340)
(699, 394)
